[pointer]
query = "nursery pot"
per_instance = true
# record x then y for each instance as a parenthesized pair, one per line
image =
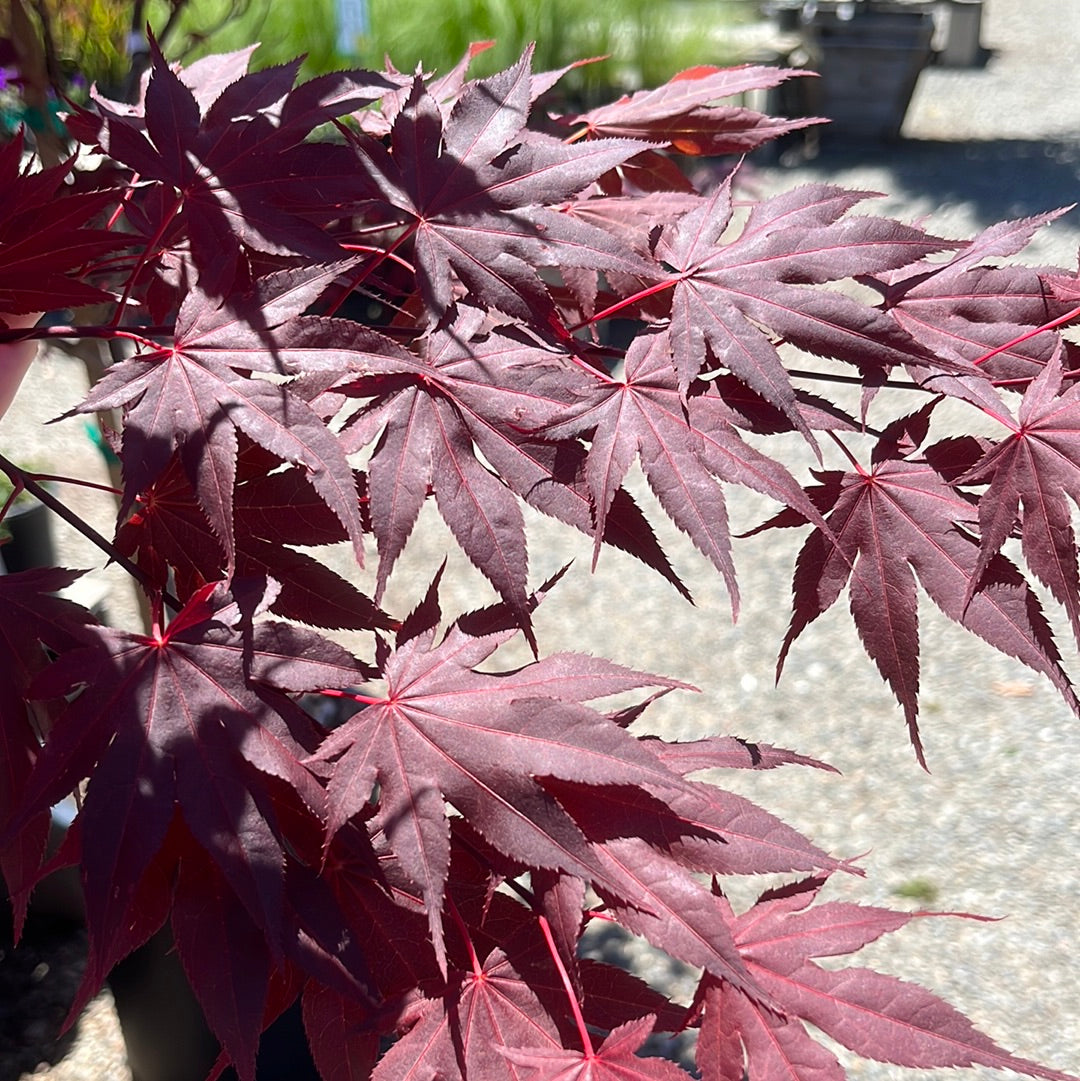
(869, 56)
(31, 544)
(166, 1036)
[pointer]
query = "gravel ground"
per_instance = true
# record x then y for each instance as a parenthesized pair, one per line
(993, 827)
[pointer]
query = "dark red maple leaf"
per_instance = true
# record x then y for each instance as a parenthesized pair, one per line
(443, 418)
(726, 291)
(492, 394)
(430, 413)
(196, 394)
(970, 304)
(891, 522)
(877, 1016)
(46, 248)
(169, 534)
(472, 195)
(1032, 476)
(685, 449)
(182, 717)
(682, 113)
(441, 735)
(229, 150)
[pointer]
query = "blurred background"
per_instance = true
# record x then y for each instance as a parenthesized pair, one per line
(96, 40)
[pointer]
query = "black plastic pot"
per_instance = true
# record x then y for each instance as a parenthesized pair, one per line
(31, 544)
(166, 1036)
(869, 56)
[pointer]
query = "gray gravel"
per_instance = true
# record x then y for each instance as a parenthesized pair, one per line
(993, 828)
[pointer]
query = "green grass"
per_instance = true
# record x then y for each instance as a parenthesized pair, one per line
(647, 41)
(917, 889)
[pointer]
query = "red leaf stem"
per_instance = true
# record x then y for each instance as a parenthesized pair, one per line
(568, 988)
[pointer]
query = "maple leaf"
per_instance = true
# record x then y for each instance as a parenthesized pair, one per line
(685, 448)
(427, 420)
(443, 732)
(725, 291)
(180, 719)
(193, 396)
(168, 534)
(45, 246)
(966, 306)
(877, 1016)
(229, 150)
(443, 418)
(681, 114)
(472, 195)
(1032, 476)
(891, 522)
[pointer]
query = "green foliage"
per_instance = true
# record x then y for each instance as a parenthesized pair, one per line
(647, 42)
(917, 889)
(89, 39)
(210, 26)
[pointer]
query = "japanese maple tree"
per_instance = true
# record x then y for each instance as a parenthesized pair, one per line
(419, 876)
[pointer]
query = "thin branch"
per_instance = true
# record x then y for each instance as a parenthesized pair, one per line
(55, 478)
(58, 507)
(135, 334)
(854, 380)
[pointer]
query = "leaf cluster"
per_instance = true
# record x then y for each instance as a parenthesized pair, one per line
(326, 335)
